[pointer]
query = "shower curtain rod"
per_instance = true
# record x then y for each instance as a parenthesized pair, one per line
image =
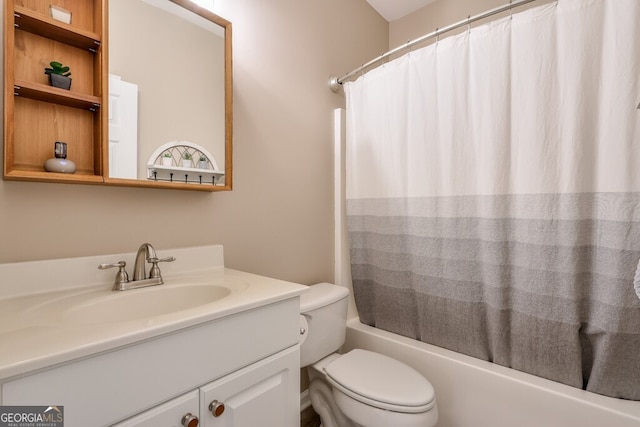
(335, 83)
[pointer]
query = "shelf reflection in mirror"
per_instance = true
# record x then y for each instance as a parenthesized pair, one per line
(170, 79)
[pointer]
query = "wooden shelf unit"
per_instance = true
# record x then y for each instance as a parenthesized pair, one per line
(42, 25)
(36, 114)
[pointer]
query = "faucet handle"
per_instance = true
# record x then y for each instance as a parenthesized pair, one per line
(155, 270)
(121, 275)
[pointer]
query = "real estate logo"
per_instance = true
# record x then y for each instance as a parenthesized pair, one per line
(31, 416)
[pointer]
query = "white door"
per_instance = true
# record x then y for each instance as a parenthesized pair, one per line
(123, 128)
(263, 394)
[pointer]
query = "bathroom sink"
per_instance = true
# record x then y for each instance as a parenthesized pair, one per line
(103, 306)
(144, 303)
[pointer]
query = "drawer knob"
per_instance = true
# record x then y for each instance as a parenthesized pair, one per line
(190, 420)
(216, 408)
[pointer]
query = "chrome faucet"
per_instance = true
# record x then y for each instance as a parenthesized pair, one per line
(146, 253)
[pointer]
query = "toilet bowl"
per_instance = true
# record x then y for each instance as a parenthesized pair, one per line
(360, 388)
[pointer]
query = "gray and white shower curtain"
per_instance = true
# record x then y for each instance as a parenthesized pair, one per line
(493, 193)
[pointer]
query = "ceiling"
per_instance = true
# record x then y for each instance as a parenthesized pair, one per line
(395, 9)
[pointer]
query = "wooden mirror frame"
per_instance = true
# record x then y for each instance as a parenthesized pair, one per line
(228, 108)
(81, 115)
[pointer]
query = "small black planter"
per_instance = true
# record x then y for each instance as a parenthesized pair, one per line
(63, 82)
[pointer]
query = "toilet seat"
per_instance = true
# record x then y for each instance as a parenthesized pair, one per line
(381, 382)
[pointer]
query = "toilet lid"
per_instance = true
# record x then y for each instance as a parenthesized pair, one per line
(381, 381)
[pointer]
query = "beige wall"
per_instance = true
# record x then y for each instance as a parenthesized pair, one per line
(443, 13)
(278, 220)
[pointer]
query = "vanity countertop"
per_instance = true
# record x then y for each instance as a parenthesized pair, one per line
(37, 324)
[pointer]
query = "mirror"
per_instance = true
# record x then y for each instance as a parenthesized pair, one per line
(169, 96)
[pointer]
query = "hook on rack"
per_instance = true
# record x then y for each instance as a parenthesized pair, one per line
(408, 46)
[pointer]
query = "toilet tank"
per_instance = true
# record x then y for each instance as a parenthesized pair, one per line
(323, 311)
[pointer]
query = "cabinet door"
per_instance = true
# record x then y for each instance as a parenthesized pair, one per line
(169, 414)
(266, 393)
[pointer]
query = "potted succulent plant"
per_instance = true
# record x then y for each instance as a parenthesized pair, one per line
(203, 163)
(58, 75)
(186, 160)
(166, 159)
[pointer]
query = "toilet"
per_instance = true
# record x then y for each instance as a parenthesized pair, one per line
(360, 388)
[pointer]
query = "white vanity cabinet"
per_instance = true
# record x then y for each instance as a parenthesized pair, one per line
(264, 393)
(249, 361)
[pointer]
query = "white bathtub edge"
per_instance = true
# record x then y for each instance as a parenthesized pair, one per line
(471, 392)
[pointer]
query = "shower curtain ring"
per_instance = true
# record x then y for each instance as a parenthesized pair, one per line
(510, 9)
(469, 23)
(437, 35)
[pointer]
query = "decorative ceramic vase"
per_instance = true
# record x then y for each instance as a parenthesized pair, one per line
(60, 163)
(60, 166)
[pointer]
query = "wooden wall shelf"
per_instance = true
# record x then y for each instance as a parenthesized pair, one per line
(45, 93)
(38, 176)
(37, 114)
(45, 26)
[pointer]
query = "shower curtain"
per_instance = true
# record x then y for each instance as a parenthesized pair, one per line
(493, 193)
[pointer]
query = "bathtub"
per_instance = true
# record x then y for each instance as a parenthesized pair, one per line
(475, 393)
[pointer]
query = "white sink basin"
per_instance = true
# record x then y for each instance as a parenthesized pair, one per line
(144, 303)
(103, 306)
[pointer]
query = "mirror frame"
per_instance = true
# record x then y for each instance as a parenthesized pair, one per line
(228, 109)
